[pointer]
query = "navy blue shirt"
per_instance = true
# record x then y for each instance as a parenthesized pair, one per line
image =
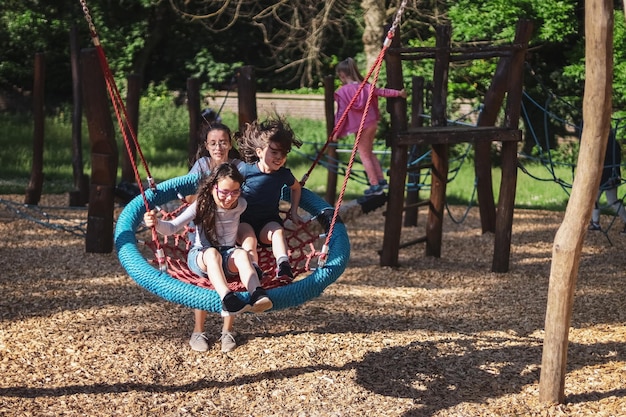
(263, 191)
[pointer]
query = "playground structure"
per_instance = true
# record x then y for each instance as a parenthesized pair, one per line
(507, 79)
(438, 135)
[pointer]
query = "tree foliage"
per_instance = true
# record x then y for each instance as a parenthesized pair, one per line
(292, 44)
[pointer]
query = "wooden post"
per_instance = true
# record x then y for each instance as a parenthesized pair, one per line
(412, 194)
(246, 93)
(331, 150)
(397, 171)
(193, 106)
(33, 192)
(482, 150)
(439, 181)
(104, 155)
(129, 156)
(569, 238)
(508, 184)
(80, 195)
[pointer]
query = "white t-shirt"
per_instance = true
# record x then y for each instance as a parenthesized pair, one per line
(227, 223)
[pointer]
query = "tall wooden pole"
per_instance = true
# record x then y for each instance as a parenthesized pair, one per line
(399, 158)
(331, 151)
(35, 185)
(133, 97)
(508, 154)
(570, 236)
(79, 196)
(246, 93)
(193, 105)
(412, 193)
(104, 155)
(440, 151)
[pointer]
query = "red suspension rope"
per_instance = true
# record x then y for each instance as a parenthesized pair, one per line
(126, 128)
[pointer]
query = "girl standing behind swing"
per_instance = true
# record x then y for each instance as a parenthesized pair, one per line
(215, 148)
(213, 254)
(351, 78)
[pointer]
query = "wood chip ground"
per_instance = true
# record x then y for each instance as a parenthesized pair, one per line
(433, 337)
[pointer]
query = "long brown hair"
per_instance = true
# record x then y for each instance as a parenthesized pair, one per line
(206, 210)
(349, 68)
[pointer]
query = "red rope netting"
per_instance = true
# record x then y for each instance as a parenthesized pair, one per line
(301, 240)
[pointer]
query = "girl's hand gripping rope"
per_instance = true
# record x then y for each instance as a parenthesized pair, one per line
(151, 220)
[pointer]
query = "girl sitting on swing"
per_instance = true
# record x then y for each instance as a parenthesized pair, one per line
(214, 254)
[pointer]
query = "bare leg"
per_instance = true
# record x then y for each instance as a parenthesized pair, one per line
(279, 243)
(241, 261)
(274, 233)
(229, 323)
(211, 261)
(200, 319)
(248, 241)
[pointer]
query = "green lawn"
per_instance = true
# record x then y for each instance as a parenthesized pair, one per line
(164, 143)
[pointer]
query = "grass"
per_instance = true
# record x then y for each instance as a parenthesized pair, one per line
(163, 136)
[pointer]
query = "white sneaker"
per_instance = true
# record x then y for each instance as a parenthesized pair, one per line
(228, 342)
(199, 342)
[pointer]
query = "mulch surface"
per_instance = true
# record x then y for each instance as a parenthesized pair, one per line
(433, 337)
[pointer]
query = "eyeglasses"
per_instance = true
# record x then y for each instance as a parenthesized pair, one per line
(220, 144)
(223, 194)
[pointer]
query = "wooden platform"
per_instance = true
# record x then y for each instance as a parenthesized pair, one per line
(452, 135)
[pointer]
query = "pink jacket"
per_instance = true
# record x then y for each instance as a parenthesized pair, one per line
(353, 120)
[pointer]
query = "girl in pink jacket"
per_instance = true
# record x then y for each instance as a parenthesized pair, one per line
(350, 77)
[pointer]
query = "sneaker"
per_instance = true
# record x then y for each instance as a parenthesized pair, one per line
(233, 305)
(260, 301)
(383, 183)
(284, 271)
(199, 342)
(594, 226)
(374, 190)
(228, 341)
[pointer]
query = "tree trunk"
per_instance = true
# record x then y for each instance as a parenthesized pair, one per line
(374, 13)
(570, 236)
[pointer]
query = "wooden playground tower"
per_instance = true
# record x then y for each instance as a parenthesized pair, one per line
(508, 79)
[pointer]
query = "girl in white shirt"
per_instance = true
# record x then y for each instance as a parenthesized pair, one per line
(214, 253)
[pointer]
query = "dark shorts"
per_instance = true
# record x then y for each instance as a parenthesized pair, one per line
(225, 251)
(259, 224)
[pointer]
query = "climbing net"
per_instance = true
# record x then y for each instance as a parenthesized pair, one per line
(70, 220)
